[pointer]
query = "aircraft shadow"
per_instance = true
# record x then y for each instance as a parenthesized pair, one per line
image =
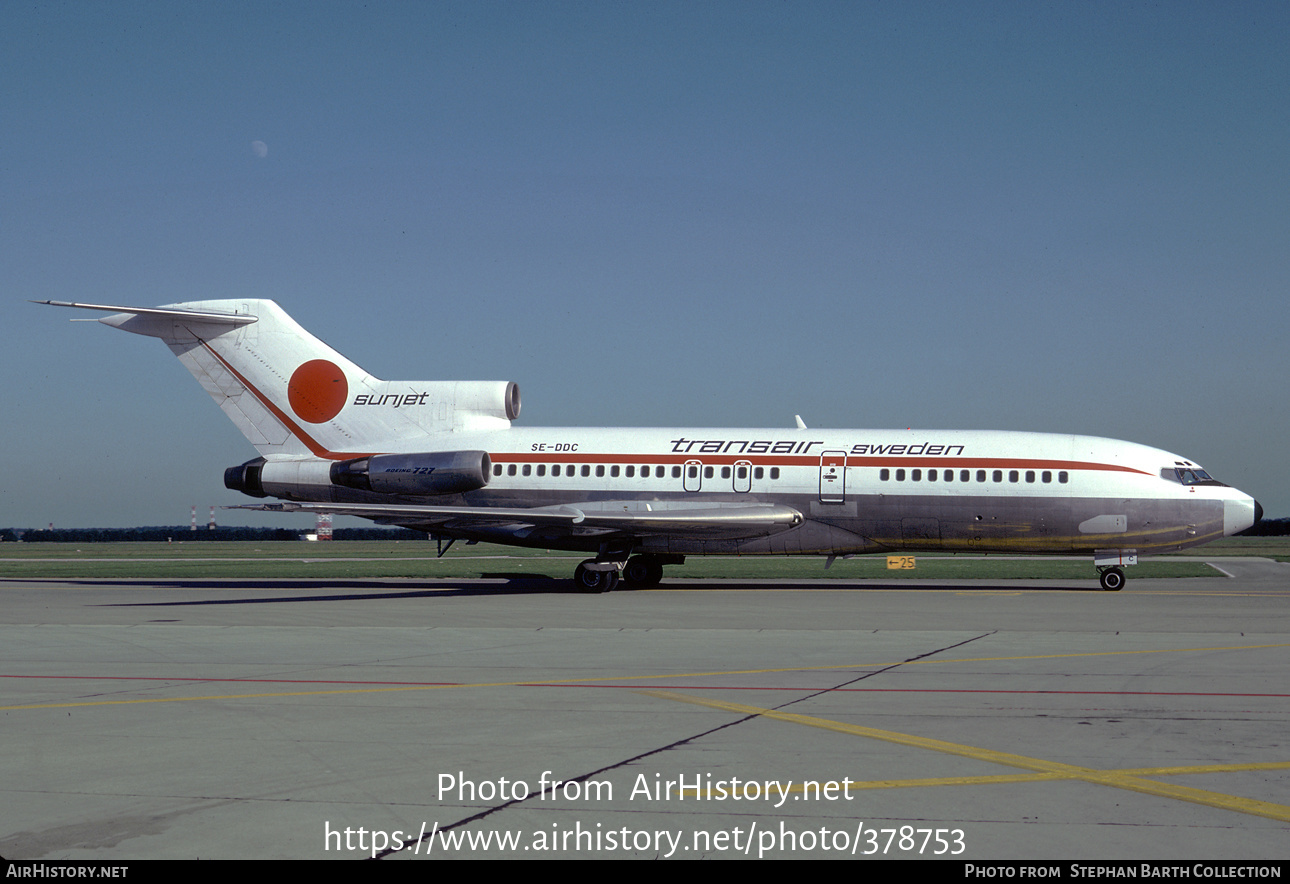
(510, 585)
(871, 586)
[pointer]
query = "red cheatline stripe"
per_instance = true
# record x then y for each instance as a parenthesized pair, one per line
(691, 687)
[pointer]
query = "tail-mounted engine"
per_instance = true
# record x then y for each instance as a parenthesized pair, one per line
(434, 472)
(246, 478)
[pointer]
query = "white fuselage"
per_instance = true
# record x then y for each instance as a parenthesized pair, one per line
(859, 490)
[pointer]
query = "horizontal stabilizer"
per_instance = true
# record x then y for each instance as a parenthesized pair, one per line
(209, 316)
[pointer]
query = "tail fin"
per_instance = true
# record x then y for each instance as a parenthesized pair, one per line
(292, 395)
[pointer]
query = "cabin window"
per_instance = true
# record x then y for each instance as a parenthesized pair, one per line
(676, 472)
(707, 472)
(774, 472)
(600, 471)
(915, 475)
(741, 473)
(759, 473)
(510, 470)
(1030, 476)
(613, 471)
(528, 469)
(1012, 475)
(884, 474)
(1062, 477)
(631, 472)
(998, 475)
(900, 475)
(586, 470)
(931, 475)
(980, 476)
(1046, 476)
(497, 469)
(725, 472)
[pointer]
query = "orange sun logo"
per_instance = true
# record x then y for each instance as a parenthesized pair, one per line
(317, 391)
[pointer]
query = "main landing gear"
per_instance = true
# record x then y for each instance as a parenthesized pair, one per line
(593, 576)
(643, 571)
(599, 576)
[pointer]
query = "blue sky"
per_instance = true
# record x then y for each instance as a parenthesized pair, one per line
(1065, 217)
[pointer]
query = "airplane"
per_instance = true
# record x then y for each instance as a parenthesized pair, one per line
(444, 457)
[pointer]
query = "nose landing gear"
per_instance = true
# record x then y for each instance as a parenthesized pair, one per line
(1112, 579)
(1110, 564)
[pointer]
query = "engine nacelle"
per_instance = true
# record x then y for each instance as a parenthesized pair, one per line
(434, 472)
(494, 399)
(246, 478)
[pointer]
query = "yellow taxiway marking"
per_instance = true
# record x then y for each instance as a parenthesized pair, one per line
(425, 687)
(996, 779)
(1044, 770)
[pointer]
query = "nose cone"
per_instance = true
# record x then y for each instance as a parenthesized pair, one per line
(1240, 514)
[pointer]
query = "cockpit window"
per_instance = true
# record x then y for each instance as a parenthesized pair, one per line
(1189, 476)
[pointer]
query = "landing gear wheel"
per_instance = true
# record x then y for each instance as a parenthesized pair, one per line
(1112, 579)
(643, 571)
(588, 580)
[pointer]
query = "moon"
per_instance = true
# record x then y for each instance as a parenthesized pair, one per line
(260, 149)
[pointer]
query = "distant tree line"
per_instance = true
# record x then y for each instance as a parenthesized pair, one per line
(183, 533)
(1268, 528)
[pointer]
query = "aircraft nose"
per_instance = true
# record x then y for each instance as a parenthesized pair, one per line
(1240, 514)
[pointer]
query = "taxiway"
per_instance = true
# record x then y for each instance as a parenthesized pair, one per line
(320, 719)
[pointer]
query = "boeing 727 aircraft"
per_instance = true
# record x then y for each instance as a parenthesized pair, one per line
(443, 457)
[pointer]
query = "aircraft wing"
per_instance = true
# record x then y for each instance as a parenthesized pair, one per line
(641, 518)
